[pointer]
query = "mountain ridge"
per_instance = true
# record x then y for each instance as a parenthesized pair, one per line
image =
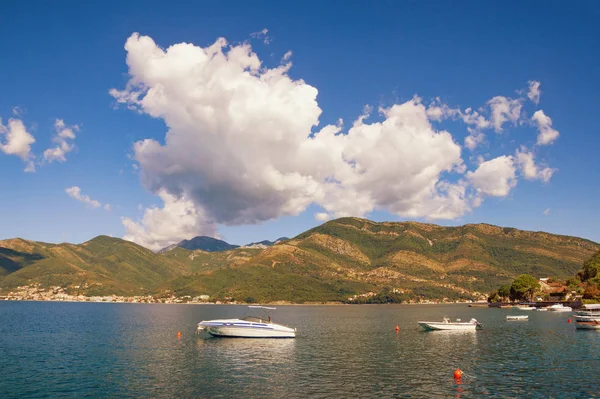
(331, 262)
(211, 244)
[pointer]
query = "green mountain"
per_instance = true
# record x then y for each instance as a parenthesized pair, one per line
(99, 266)
(331, 262)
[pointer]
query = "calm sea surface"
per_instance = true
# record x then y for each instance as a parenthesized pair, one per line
(54, 350)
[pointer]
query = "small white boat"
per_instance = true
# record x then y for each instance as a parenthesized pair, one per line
(559, 307)
(248, 326)
(525, 307)
(446, 324)
(588, 313)
(541, 310)
(518, 317)
(588, 325)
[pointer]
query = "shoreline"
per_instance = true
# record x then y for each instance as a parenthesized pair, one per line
(234, 303)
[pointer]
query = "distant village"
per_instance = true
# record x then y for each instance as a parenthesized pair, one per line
(35, 292)
(549, 290)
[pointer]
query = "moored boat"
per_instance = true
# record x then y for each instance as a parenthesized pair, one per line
(249, 326)
(446, 324)
(588, 325)
(588, 313)
(525, 307)
(559, 307)
(517, 317)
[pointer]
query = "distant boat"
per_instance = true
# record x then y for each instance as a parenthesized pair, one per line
(588, 325)
(446, 324)
(588, 313)
(518, 317)
(559, 307)
(541, 309)
(249, 326)
(525, 307)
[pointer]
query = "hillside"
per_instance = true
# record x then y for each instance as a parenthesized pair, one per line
(334, 261)
(100, 266)
(351, 255)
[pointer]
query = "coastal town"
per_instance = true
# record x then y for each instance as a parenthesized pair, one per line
(35, 292)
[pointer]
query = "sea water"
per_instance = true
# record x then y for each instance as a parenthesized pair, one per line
(105, 350)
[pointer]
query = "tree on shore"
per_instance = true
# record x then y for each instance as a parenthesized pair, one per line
(524, 287)
(504, 292)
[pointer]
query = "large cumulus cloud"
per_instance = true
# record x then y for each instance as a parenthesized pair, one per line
(244, 145)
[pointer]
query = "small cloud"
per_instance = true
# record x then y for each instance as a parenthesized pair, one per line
(63, 139)
(322, 216)
(286, 56)
(534, 92)
(263, 36)
(16, 140)
(547, 135)
(75, 193)
(17, 111)
(547, 212)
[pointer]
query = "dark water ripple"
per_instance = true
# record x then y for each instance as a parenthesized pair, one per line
(70, 350)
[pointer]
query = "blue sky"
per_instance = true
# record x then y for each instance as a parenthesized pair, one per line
(60, 62)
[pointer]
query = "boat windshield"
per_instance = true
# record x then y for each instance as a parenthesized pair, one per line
(265, 317)
(256, 319)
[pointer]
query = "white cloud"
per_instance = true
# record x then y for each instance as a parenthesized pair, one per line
(17, 141)
(547, 211)
(530, 170)
(495, 177)
(63, 139)
(17, 111)
(504, 110)
(75, 193)
(262, 35)
(177, 220)
(240, 147)
(286, 56)
(534, 92)
(547, 135)
(322, 216)
(474, 138)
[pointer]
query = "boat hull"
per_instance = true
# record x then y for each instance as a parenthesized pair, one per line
(243, 329)
(517, 318)
(439, 326)
(588, 325)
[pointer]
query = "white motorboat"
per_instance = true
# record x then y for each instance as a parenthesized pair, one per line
(446, 324)
(517, 317)
(249, 326)
(588, 313)
(588, 325)
(525, 307)
(559, 307)
(541, 309)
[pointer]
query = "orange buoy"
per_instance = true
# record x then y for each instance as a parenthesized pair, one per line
(569, 321)
(397, 328)
(178, 334)
(458, 374)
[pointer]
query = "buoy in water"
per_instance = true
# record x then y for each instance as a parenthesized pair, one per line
(397, 328)
(178, 334)
(458, 374)
(569, 321)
